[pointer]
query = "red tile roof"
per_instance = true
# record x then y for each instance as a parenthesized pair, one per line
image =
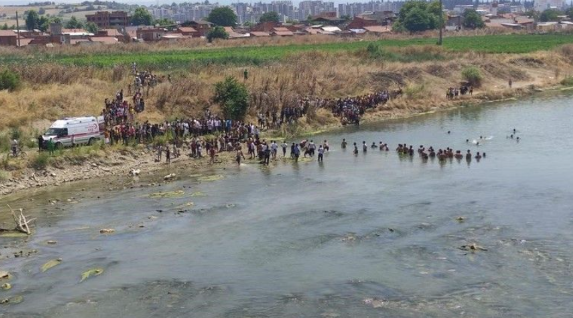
(113, 32)
(187, 29)
(7, 33)
(377, 29)
(283, 33)
(259, 34)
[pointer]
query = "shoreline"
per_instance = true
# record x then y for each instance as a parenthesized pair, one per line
(120, 161)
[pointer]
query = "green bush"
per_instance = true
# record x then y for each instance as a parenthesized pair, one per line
(567, 81)
(40, 162)
(233, 98)
(472, 75)
(4, 142)
(9, 80)
(217, 32)
(15, 133)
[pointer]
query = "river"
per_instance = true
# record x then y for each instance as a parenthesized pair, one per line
(373, 235)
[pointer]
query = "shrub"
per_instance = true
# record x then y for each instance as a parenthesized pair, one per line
(233, 98)
(568, 81)
(15, 133)
(40, 162)
(218, 32)
(9, 80)
(472, 75)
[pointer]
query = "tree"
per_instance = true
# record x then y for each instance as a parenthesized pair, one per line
(91, 27)
(217, 32)
(5, 26)
(417, 16)
(271, 16)
(346, 17)
(164, 22)
(222, 16)
(233, 98)
(44, 24)
(418, 20)
(73, 23)
(32, 20)
(550, 15)
(472, 20)
(569, 13)
(141, 17)
(532, 14)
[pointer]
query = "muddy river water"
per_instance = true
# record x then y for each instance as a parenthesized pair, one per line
(373, 235)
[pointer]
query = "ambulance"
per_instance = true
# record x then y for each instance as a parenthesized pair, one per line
(74, 131)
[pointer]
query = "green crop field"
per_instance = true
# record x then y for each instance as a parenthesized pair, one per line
(258, 55)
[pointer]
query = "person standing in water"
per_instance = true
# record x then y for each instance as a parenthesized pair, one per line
(296, 152)
(355, 149)
(239, 155)
(320, 153)
(343, 145)
(364, 147)
(284, 145)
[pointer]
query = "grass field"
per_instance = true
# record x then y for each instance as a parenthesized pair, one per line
(254, 55)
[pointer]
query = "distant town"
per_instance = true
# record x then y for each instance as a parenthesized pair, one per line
(101, 22)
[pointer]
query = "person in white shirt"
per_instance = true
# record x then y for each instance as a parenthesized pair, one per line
(311, 147)
(284, 146)
(320, 153)
(14, 147)
(274, 148)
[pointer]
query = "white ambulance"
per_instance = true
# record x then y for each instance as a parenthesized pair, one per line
(69, 132)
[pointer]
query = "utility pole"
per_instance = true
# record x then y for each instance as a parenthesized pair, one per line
(441, 23)
(17, 29)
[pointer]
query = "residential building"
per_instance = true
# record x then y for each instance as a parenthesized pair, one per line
(150, 34)
(8, 38)
(106, 19)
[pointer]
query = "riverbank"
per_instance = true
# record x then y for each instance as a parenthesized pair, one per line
(112, 161)
(122, 160)
(423, 73)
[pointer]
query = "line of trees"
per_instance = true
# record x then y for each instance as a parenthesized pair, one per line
(34, 21)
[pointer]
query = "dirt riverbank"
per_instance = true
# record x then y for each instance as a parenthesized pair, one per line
(120, 161)
(111, 162)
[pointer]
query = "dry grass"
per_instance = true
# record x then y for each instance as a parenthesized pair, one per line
(55, 91)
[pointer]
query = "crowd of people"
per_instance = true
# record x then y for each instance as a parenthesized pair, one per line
(454, 92)
(209, 134)
(349, 109)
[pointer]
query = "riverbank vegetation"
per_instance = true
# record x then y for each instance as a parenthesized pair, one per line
(55, 86)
